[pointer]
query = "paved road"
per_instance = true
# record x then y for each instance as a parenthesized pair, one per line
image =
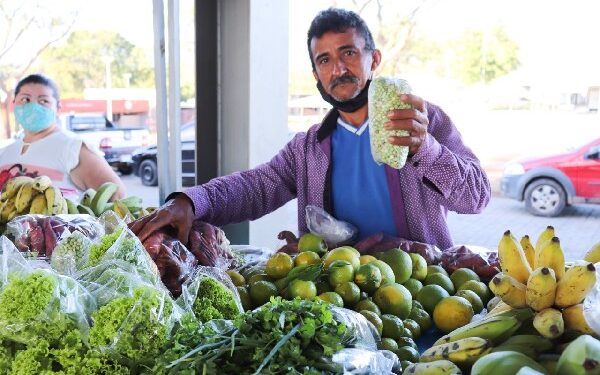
(578, 227)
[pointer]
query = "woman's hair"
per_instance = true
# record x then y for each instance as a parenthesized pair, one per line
(39, 79)
(338, 21)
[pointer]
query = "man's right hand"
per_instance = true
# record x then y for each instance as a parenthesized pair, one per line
(177, 213)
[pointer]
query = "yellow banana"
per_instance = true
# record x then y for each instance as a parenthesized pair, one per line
(551, 255)
(512, 258)
(593, 254)
(509, 289)
(7, 209)
(54, 200)
(529, 250)
(490, 329)
(541, 289)
(545, 236)
(462, 352)
(24, 197)
(575, 320)
(440, 367)
(41, 183)
(38, 205)
(549, 323)
(13, 185)
(576, 284)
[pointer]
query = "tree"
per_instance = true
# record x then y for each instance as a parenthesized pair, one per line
(80, 62)
(482, 56)
(27, 28)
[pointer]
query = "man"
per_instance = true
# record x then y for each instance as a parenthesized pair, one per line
(331, 165)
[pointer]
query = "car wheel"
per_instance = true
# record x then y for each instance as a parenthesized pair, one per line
(149, 173)
(545, 197)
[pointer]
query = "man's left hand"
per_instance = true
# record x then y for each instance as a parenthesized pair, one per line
(414, 120)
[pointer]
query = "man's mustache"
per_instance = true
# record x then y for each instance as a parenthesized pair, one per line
(346, 78)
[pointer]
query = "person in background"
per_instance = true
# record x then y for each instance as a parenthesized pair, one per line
(331, 165)
(46, 149)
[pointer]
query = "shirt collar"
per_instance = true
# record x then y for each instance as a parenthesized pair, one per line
(353, 129)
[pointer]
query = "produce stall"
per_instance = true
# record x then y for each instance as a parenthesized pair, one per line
(81, 294)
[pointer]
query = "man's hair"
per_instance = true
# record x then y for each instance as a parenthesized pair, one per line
(39, 79)
(338, 21)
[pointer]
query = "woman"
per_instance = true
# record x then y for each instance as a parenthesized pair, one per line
(48, 150)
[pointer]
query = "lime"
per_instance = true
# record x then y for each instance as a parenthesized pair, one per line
(364, 259)
(405, 364)
(342, 253)
(323, 286)
(236, 278)
(413, 327)
(248, 272)
(451, 313)
(258, 277)
(430, 295)
(441, 280)
(388, 344)
(306, 258)
(333, 298)
(366, 304)
(368, 278)
(261, 292)
(406, 341)
(374, 319)
(408, 353)
(419, 266)
(413, 286)
(436, 269)
(462, 275)
(417, 305)
(312, 242)
(340, 271)
(407, 333)
(350, 293)
(305, 289)
(392, 326)
(387, 274)
(479, 288)
(473, 299)
(421, 317)
(244, 298)
(279, 265)
(400, 262)
(393, 299)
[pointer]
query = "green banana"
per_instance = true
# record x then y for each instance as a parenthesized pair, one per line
(440, 367)
(133, 203)
(576, 284)
(549, 362)
(527, 350)
(505, 362)
(41, 183)
(461, 352)
(490, 329)
(71, 207)
(549, 323)
(541, 288)
(13, 185)
(539, 343)
(581, 356)
(85, 210)
(529, 371)
(88, 195)
(102, 196)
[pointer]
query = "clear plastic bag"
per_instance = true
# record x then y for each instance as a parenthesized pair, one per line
(333, 231)
(384, 96)
(248, 256)
(37, 235)
(210, 294)
(210, 246)
(35, 302)
(360, 361)
(379, 242)
(483, 261)
(591, 305)
(361, 333)
(70, 254)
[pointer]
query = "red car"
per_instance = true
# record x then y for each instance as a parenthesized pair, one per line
(548, 184)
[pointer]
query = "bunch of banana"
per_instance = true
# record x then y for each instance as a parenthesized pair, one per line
(27, 195)
(95, 203)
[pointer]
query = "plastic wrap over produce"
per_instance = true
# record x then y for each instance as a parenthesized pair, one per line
(379, 242)
(248, 256)
(38, 235)
(384, 96)
(333, 231)
(35, 302)
(210, 246)
(591, 304)
(483, 261)
(364, 362)
(210, 294)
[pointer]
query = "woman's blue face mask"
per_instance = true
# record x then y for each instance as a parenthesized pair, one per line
(34, 117)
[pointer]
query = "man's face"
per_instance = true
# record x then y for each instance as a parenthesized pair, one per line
(342, 64)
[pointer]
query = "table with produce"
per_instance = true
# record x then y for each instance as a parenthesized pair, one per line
(80, 294)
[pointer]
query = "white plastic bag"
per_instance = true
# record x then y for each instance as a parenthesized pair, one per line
(333, 231)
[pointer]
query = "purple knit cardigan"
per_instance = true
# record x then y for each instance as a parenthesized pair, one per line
(444, 175)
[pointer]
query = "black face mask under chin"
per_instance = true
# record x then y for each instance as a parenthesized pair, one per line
(347, 106)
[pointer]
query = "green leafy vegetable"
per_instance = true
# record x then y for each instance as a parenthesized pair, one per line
(214, 301)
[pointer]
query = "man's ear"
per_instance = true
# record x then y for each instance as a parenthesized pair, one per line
(376, 59)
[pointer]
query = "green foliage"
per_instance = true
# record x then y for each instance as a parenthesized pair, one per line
(133, 327)
(70, 254)
(214, 301)
(26, 298)
(79, 62)
(97, 250)
(483, 56)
